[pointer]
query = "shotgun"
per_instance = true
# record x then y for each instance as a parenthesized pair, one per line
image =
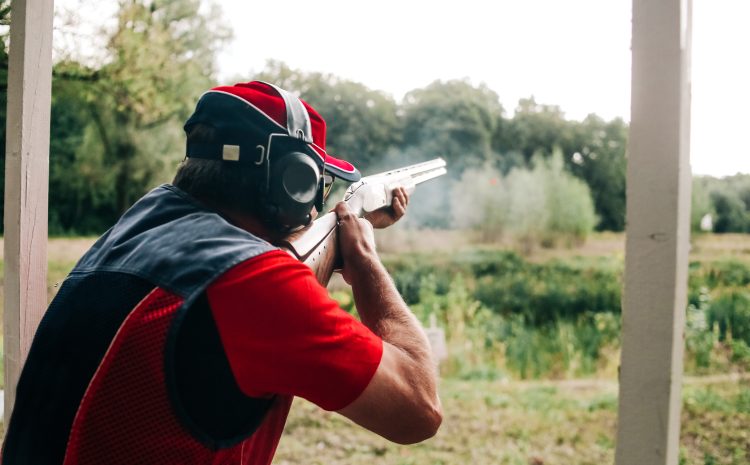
(317, 247)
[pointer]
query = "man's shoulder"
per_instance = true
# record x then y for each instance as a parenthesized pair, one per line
(275, 268)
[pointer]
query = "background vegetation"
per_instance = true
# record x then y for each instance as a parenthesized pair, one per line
(116, 132)
(516, 254)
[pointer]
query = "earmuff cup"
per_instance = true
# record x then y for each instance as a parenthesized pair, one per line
(294, 185)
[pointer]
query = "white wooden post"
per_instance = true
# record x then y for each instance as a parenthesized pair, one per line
(658, 230)
(26, 182)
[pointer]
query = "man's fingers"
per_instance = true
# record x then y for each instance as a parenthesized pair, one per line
(403, 196)
(398, 208)
(344, 213)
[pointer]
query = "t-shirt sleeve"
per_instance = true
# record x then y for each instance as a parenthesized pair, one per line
(283, 334)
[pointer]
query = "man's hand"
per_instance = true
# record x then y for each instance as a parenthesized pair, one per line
(387, 216)
(400, 403)
(356, 240)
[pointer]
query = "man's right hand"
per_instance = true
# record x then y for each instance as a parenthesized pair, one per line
(400, 403)
(356, 240)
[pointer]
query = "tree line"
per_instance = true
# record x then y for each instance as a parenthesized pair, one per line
(117, 129)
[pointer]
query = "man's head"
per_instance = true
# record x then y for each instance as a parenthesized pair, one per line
(258, 150)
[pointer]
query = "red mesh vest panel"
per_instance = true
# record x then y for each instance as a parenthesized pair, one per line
(126, 417)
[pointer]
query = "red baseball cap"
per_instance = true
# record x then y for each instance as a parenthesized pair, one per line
(264, 112)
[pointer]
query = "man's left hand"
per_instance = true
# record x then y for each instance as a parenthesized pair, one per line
(385, 217)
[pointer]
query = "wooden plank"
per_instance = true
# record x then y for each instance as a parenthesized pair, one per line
(26, 182)
(658, 230)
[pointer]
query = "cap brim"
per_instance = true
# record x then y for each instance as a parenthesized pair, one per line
(338, 167)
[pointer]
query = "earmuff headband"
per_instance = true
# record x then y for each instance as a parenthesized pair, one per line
(297, 119)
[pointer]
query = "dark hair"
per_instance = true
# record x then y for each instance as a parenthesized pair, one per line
(217, 182)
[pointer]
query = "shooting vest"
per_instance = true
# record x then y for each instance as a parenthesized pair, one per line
(127, 365)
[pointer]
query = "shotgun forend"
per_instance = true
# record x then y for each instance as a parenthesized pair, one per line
(374, 192)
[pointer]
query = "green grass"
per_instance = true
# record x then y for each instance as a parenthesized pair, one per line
(511, 422)
(523, 423)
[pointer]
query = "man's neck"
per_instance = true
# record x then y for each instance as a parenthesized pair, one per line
(250, 224)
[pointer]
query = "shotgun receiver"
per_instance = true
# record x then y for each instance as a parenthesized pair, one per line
(317, 247)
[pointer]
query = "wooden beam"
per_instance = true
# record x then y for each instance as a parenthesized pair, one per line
(658, 233)
(26, 182)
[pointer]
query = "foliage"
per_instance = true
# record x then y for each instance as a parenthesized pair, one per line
(726, 199)
(535, 128)
(562, 317)
(700, 205)
(453, 120)
(730, 312)
(568, 204)
(501, 422)
(593, 150)
(597, 156)
(544, 205)
(361, 123)
(505, 315)
(479, 201)
(116, 127)
(162, 59)
(470, 329)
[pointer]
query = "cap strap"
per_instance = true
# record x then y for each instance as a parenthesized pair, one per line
(226, 152)
(297, 119)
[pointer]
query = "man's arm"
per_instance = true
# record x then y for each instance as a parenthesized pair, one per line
(400, 403)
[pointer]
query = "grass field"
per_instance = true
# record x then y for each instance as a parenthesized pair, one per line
(515, 423)
(512, 422)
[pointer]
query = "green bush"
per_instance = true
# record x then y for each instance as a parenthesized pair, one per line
(507, 284)
(730, 311)
(542, 205)
(700, 340)
(550, 292)
(470, 328)
(557, 318)
(726, 273)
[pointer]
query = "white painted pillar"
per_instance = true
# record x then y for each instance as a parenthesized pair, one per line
(658, 230)
(26, 182)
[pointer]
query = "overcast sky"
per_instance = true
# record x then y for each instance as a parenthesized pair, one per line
(573, 53)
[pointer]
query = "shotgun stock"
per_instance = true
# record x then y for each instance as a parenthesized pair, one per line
(317, 245)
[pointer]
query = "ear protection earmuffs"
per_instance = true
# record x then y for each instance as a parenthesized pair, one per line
(291, 171)
(294, 181)
(294, 186)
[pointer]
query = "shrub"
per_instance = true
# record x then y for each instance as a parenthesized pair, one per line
(730, 311)
(543, 205)
(471, 338)
(479, 201)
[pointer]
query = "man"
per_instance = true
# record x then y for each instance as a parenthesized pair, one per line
(183, 334)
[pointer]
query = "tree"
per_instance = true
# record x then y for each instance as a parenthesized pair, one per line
(534, 129)
(593, 150)
(130, 110)
(701, 202)
(542, 205)
(453, 120)
(596, 154)
(362, 123)
(731, 215)
(727, 199)
(480, 201)
(162, 59)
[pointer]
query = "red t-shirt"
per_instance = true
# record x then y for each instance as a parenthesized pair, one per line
(283, 335)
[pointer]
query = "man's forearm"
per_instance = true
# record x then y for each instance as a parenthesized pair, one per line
(400, 403)
(382, 309)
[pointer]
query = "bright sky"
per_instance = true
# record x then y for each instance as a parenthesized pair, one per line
(573, 53)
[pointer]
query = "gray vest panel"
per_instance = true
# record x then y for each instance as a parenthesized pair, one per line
(170, 240)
